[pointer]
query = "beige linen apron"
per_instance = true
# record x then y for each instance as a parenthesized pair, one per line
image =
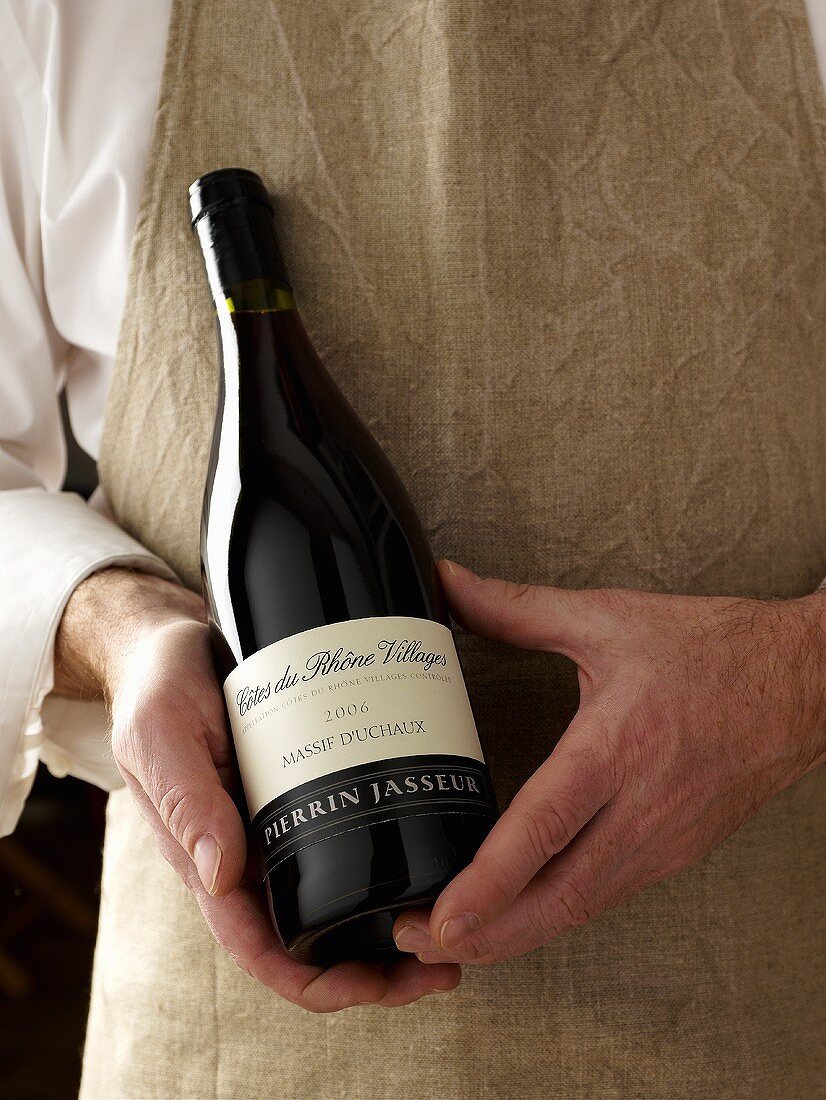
(567, 261)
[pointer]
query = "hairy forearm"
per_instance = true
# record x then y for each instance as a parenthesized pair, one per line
(105, 616)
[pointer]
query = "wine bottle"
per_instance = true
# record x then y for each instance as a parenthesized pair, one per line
(365, 782)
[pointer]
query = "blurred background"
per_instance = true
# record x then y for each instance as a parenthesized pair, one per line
(49, 893)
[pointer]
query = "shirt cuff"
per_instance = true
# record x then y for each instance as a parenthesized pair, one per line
(49, 543)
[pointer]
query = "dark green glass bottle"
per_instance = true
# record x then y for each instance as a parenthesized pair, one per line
(366, 785)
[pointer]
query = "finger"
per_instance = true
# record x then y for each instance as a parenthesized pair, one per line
(246, 933)
(176, 768)
(408, 980)
(595, 873)
(411, 931)
(559, 799)
(558, 620)
(240, 924)
(242, 927)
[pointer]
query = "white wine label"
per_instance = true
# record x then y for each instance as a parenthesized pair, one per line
(354, 694)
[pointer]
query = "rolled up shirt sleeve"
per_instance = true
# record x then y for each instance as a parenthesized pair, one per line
(49, 540)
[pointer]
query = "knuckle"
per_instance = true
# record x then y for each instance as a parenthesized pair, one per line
(133, 735)
(123, 740)
(243, 964)
(306, 997)
(176, 810)
(548, 828)
(247, 963)
(561, 906)
(477, 949)
(502, 882)
(519, 593)
(252, 965)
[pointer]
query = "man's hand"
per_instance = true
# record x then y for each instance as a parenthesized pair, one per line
(693, 713)
(143, 645)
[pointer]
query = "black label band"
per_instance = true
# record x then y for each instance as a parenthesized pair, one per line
(370, 793)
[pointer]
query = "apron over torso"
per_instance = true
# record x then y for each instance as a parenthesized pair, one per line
(566, 260)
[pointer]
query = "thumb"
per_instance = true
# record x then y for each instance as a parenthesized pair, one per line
(558, 620)
(175, 771)
(553, 806)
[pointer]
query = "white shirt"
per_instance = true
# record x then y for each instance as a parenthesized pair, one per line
(78, 86)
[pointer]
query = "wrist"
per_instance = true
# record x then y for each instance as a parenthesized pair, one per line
(107, 615)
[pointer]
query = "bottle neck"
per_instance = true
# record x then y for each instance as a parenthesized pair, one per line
(257, 296)
(245, 268)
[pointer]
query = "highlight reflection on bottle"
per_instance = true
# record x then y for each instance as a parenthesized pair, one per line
(364, 778)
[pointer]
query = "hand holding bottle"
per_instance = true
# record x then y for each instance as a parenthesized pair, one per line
(694, 711)
(142, 644)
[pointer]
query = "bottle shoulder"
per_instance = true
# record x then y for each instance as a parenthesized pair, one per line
(302, 508)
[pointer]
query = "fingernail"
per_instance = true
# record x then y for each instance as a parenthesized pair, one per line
(457, 570)
(432, 957)
(413, 938)
(207, 857)
(456, 929)
(437, 989)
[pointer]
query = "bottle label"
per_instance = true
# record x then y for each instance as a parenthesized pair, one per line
(345, 725)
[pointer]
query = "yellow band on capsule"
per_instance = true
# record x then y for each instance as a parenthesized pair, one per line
(259, 296)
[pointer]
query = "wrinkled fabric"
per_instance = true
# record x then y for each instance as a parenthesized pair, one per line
(71, 165)
(567, 262)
